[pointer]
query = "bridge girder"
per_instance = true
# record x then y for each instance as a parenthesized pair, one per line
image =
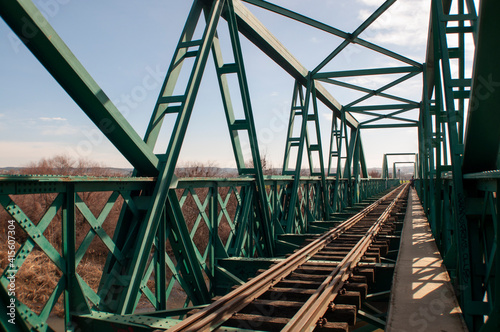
(457, 164)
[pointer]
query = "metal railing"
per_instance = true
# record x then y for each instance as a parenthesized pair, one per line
(69, 224)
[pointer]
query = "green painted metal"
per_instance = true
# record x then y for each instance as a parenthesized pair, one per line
(482, 139)
(250, 27)
(166, 102)
(461, 234)
(74, 298)
(157, 241)
(338, 153)
(364, 72)
(247, 124)
(219, 202)
(370, 92)
(337, 32)
(10, 313)
(404, 162)
(127, 299)
(361, 109)
(300, 107)
(385, 164)
(390, 116)
(461, 208)
(355, 34)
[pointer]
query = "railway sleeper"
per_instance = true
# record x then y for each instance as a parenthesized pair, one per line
(342, 313)
(333, 258)
(273, 315)
(371, 254)
(367, 259)
(358, 279)
(337, 246)
(380, 241)
(273, 309)
(311, 270)
(256, 322)
(299, 283)
(303, 276)
(382, 249)
(348, 297)
(314, 269)
(368, 273)
(362, 288)
(332, 327)
(344, 251)
(284, 309)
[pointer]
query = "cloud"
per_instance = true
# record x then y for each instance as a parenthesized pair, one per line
(328, 116)
(372, 3)
(404, 24)
(315, 40)
(52, 119)
(371, 82)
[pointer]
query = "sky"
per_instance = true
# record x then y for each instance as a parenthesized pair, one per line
(126, 46)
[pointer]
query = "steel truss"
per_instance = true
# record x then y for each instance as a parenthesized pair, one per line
(154, 241)
(459, 163)
(385, 164)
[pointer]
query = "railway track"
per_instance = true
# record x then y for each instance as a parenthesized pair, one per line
(319, 287)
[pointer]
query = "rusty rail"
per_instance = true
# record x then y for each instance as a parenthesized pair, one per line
(313, 309)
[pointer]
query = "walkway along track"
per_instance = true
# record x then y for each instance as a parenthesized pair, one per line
(299, 293)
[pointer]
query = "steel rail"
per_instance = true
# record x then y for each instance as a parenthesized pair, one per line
(315, 307)
(218, 312)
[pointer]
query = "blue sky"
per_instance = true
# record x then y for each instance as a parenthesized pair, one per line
(127, 45)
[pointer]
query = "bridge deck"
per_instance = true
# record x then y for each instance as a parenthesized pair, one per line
(422, 297)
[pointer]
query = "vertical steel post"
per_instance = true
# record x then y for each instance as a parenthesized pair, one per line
(304, 112)
(246, 124)
(160, 268)
(183, 106)
(456, 151)
(74, 300)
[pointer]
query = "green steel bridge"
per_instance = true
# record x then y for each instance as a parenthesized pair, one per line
(154, 251)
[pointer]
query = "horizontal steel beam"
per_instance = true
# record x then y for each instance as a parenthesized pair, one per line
(400, 154)
(391, 116)
(356, 109)
(384, 126)
(41, 39)
(380, 10)
(380, 118)
(365, 72)
(369, 92)
(259, 35)
(327, 28)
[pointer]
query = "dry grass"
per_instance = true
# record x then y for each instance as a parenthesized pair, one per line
(39, 276)
(36, 279)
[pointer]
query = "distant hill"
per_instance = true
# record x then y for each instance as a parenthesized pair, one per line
(114, 170)
(406, 171)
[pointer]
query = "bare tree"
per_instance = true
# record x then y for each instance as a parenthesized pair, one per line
(267, 165)
(374, 174)
(198, 169)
